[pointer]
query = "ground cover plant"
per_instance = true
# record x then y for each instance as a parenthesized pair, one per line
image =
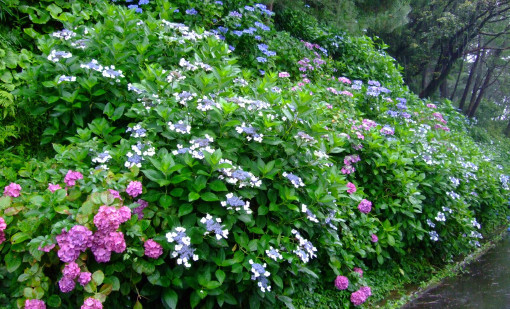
(205, 159)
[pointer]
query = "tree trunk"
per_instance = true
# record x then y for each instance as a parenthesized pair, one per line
(457, 80)
(478, 81)
(507, 130)
(472, 73)
(443, 89)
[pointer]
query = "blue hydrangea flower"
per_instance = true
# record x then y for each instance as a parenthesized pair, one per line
(261, 59)
(191, 11)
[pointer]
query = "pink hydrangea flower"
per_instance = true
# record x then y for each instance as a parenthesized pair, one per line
(115, 194)
(153, 249)
(71, 177)
(115, 242)
(358, 298)
(359, 271)
(366, 290)
(348, 169)
(84, 278)
(365, 206)
(109, 218)
(351, 188)
(431, 105)
(53, 187)
(66, 284)
(139, 210)
(347, 93)
(341, 282)
(344, 80)
(3, 225)
(72, 243)
(71, 270)
(12, 190)
(134, 188)
(34, 304)
(374, 238)
(2, 237)
(283, 74)
(92, 303)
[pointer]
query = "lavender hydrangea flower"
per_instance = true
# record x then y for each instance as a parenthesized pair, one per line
(274, 254)
(261, 275)
(213, 225)
(182, 250)
(236, 203)
(295, 180)
(305, 250)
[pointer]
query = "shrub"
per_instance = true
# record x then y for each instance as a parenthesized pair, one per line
(190, 181)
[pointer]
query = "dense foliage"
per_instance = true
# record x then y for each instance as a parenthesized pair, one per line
(205, 159)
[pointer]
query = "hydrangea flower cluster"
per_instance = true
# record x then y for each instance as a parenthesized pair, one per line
(3, 226)
(361, 295)
(433, 236)
(152, 249)
(274, 254)
(440, 217)
(72, 243)
(65, 78)
(341, 282)
(261, 275)
(64, 34)
(140, 151)
(348, 167)
(56, 56)
(365, 206)
(251, 105)
(305, 137)
(53, 187)
(179, 127)
(295, 180)
(387, 130)
(309, 214)
(251, 133)
(139, 210)
(12, 190)
(206, 104)
(107, 239)
(92, 303)
(184, 97)
(71, 177)
(374, 238)
(182, 250)
(213, 225)
(71, 272)
(235, 175)
(351, 188)
(34, 304)
(134, 188)
(236, 203)
(305, 250)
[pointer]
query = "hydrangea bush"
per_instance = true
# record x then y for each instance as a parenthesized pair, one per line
(189, 180)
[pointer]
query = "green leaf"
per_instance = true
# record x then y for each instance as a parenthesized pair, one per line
(12, 261)
(185, 209)
(5, 202)
(220, 275)
(211, 285)
(170, 298)
(193, 196)
(209, 197)
(19, 238)
(98, 277)
(138, 305)
(218, 186)
(391, 240)
(165, 201)
(54, 301)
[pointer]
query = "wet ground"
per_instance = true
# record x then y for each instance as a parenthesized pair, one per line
(486, 285)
